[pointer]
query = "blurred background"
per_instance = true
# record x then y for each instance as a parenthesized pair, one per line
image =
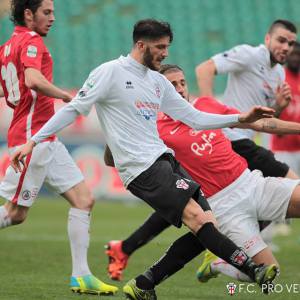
(89, 32)
(35, 259)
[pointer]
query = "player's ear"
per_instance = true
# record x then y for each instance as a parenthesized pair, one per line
(140, 45)
(28, 15)
(267, 38)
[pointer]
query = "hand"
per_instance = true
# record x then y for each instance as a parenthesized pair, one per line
(283, 96)
(256, 113)
(18, 157)
(67, 98)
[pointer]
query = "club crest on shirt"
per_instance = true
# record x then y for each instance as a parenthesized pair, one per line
(26, 195)
(182, 184)
(157, 91)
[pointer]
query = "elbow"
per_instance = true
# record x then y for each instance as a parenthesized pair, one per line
(205, 68)
(31, 84)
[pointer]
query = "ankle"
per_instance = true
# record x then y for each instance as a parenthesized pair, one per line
(144, 283)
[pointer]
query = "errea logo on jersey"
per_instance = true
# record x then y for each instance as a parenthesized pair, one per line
(129, 85)
(31, 51)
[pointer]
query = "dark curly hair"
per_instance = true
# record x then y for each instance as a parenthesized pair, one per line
(151, 29)
(18, 7)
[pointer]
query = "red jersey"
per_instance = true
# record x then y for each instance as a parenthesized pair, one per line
(206, 155)
(291, 113)
(25, 49)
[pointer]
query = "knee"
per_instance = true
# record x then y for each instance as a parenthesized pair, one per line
(17, 214)
(17, 217)
(195, 221)
(85, 202)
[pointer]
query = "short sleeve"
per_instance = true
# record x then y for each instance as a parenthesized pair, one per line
(32, 53)
(234, 60)
(95, 89)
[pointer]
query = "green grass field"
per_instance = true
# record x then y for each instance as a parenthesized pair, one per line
(35, 257)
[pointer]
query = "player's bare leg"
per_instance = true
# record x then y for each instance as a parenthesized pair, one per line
(12, 214)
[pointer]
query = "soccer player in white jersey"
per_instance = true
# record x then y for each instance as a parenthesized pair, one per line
(255, 77)
(128, 93)
(26, 80)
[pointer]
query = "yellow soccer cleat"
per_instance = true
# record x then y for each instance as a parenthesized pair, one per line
(204, 273)
(89, 284)
(132, 292)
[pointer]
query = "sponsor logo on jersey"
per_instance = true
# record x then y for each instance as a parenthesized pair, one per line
(90, 83)
(206, 146)
(82, 93)
(129, 85)
(147, 109)
(181, 184)
(31, 51)
(87, 86)
(173, 131)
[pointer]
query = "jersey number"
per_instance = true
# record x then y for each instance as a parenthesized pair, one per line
(10, 76)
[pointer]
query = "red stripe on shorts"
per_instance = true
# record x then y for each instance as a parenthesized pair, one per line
(15, 199)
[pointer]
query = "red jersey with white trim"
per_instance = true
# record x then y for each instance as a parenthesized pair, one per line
(206, 155)
(25, 49)
(289, 142)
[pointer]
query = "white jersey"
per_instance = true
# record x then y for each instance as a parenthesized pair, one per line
(251, 80)
(127, 97)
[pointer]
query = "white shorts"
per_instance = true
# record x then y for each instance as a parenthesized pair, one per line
(249, 199)
(49, 163)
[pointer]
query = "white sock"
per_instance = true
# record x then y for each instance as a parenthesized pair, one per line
(5, 220)
(78, 231)
(221, 266)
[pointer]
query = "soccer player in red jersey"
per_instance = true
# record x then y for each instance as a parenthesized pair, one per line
(287, 147)
(239, 198)
(26, 80)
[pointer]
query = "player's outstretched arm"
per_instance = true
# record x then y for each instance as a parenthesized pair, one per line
(18, 158)
(60, 120)
(274, 126)
(256, 113)
(36, 81)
